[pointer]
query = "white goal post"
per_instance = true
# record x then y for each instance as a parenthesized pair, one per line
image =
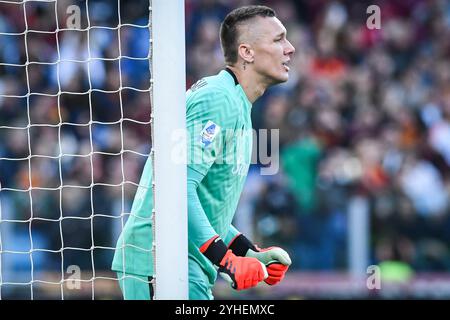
(170, 176)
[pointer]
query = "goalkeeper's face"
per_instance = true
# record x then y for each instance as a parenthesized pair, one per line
(271, 50)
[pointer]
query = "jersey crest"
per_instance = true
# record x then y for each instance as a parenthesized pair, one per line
(208, 133)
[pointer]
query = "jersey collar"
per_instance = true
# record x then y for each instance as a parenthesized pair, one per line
(236, 82)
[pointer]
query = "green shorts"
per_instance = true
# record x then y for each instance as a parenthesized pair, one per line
(136, 287)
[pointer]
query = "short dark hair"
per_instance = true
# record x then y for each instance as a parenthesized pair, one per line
(228, 29)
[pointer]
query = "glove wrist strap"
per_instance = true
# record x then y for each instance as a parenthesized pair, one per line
(214, 249)
(240, 245)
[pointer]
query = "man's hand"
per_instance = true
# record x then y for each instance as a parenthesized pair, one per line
(240, 272)
(276, 260)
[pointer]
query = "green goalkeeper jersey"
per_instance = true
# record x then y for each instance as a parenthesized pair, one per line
(219, 148)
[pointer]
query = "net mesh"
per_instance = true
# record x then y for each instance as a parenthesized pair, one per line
(75, 86)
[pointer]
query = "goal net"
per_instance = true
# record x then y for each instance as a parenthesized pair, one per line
(77, 86)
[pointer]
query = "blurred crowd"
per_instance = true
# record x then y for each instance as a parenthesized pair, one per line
(79, 140)
(365, 114)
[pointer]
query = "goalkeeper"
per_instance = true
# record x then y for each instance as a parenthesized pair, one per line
(218, 121)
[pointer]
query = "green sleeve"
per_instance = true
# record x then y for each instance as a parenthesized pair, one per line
(199, 227)
(232, 232)
(206, 108)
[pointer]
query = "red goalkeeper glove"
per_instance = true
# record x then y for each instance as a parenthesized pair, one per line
(240, 272)
(276, 260)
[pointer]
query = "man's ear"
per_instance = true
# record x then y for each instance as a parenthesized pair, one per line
(246, 52)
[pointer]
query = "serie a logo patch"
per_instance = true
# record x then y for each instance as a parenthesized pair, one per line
(208, 133)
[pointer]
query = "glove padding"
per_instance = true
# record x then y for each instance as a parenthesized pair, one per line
(276, 260)
(241, 272)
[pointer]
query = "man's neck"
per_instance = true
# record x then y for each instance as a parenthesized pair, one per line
(252, 85)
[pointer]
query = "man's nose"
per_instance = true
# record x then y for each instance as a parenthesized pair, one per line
(290, 50)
